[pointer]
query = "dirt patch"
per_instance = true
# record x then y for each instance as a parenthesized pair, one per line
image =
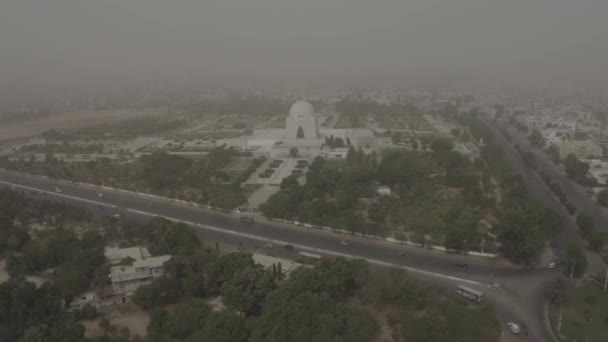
(3, 273)
(72, 120)
(127, 316)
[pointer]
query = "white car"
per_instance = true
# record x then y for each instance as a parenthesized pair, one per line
(551, 265)
(116, 216)
(343, 243)
(58, 190)
(513, 327)
(268, 245)
(100, 195)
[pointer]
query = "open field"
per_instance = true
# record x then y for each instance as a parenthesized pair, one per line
(72, 120)
(584, 316)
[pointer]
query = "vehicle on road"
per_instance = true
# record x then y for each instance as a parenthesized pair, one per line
(116, 216)
(268, 245)
(462, 264)
(58, 190)
(400, 253)
(247, 218)
(343, 243)
(470, 293)
(513, 327)
(551, 265)
(288, 247)
(100, 195)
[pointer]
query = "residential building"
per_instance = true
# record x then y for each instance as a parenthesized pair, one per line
(143, 269)
(126, 279)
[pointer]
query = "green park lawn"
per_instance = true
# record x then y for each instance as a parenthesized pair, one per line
(236, 167)
(584, 316)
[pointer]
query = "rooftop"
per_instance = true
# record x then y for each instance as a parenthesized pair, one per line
(116, 254)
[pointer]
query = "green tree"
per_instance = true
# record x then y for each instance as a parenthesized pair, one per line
(585, 223)
(553, 153)
(536, 138)
(188, 317)
(574, 261)
(557, 292)
(161, 291)
(156, 327)
(246, 290)
(574, 167)
(441, 145)
(597, 240)
(225, 326)
(313, 317)
(602, 198)
(289, 182)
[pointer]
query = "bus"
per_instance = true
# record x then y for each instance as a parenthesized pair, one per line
(470, 293)
(309, 258)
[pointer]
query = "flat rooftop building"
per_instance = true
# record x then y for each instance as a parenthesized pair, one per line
(115, 254)
(145, 268)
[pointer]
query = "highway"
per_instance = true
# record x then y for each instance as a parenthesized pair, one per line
(520, 299)
(538, 190)
(575, 193)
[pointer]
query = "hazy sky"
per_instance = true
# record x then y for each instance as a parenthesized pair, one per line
(99, 41)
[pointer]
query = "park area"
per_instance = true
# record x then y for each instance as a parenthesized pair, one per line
(237, 166)
(584, 315)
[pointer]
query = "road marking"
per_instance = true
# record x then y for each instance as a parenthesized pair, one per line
(255, 237)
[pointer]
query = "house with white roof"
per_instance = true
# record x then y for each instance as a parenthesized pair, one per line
(142, 271)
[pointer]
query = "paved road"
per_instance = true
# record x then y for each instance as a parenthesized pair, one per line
(520, 299)
(539, 191)
(576, 194)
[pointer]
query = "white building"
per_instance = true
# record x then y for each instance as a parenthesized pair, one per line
(301, 123)
(126, 279)
(302, 132)
(383, 191)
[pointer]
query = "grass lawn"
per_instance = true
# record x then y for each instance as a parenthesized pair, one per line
(585, 316)
(236, 167)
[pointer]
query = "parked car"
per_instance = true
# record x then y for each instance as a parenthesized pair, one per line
(513, 327)
(268, 245)
(343, 243)
(552, 265)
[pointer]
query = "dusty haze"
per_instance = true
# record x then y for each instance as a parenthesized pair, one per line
(79, 43)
